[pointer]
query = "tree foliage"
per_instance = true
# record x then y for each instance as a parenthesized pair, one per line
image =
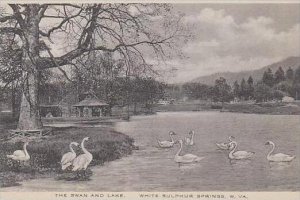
(222, 91)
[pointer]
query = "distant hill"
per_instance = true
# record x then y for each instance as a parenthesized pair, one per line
(292, 62)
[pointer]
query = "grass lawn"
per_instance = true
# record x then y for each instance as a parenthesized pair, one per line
(105, 144)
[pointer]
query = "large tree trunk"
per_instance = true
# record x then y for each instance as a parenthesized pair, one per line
(29, 110)
(13, 100)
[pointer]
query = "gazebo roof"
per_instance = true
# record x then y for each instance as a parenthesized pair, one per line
(90, 102)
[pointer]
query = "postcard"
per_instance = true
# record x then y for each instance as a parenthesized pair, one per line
(166, 100)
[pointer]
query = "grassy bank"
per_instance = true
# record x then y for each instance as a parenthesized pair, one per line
(105, 144)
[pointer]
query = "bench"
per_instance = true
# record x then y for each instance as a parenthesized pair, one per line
(25, 133)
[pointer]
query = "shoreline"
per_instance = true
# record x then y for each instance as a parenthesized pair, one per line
(277, 108)
(105, 144)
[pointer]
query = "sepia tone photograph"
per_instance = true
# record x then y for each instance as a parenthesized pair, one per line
(157, 97)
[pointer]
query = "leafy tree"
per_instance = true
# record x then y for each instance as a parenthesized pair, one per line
(197, 91)
(146, 91)
(10, 72)
(279, 75)
(277, 94)
(268, 78)
(296, 83)
(262, 92)
(290, 74)
(243, 89)
(222, 91)
(250, 87)
(297, 75)
(286, 87)
(236, 89)
(173, 91)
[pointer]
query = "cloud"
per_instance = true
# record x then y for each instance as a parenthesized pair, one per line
(223, 44)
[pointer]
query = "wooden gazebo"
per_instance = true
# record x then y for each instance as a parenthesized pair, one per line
(92, 107)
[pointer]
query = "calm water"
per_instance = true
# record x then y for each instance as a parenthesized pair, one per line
(153, 169)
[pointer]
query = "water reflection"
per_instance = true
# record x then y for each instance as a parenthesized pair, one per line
(188, 166)
(240, 163)
(278, 166)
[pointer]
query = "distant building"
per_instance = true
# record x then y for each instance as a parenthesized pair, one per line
(288, 99)
(163, 102)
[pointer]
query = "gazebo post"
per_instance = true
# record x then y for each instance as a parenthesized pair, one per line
(90, 111)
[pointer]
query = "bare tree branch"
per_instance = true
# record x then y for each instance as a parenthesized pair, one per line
(7, 18)
(65, 20)
(17, 14)
(42, 11)
(14, 30)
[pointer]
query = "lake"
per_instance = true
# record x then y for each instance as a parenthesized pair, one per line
(153, 169)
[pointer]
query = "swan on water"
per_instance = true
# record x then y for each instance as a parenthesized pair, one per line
(187, 158)
(67, 158)
(82, 161)
(20, 155)
(225, 145)
(189, 140)
(166, 143)
(238, 155)
(278, 157)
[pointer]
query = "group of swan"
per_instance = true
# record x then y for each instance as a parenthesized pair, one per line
(167, 143)
(189, 141)
(231, 145)
(238, 155)
(78, 163)
(82, 161)
(225, 145)
(67, 158)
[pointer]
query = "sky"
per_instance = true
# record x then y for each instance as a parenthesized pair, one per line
(231, 37)
(235, 37)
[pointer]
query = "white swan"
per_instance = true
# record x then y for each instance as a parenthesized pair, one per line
(67, 158)
(167, 144)
(279, 157)
(187, 158)
(189, 140)
(82, 161)
(238, 155)
(225, 145)
(20, 155)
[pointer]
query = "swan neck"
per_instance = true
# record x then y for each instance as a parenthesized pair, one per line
(192, 137)
(83, 148)
(25, 150)
(178, 152)
(273, 147)
(172, 139)
(231, 152)
(71, 148)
